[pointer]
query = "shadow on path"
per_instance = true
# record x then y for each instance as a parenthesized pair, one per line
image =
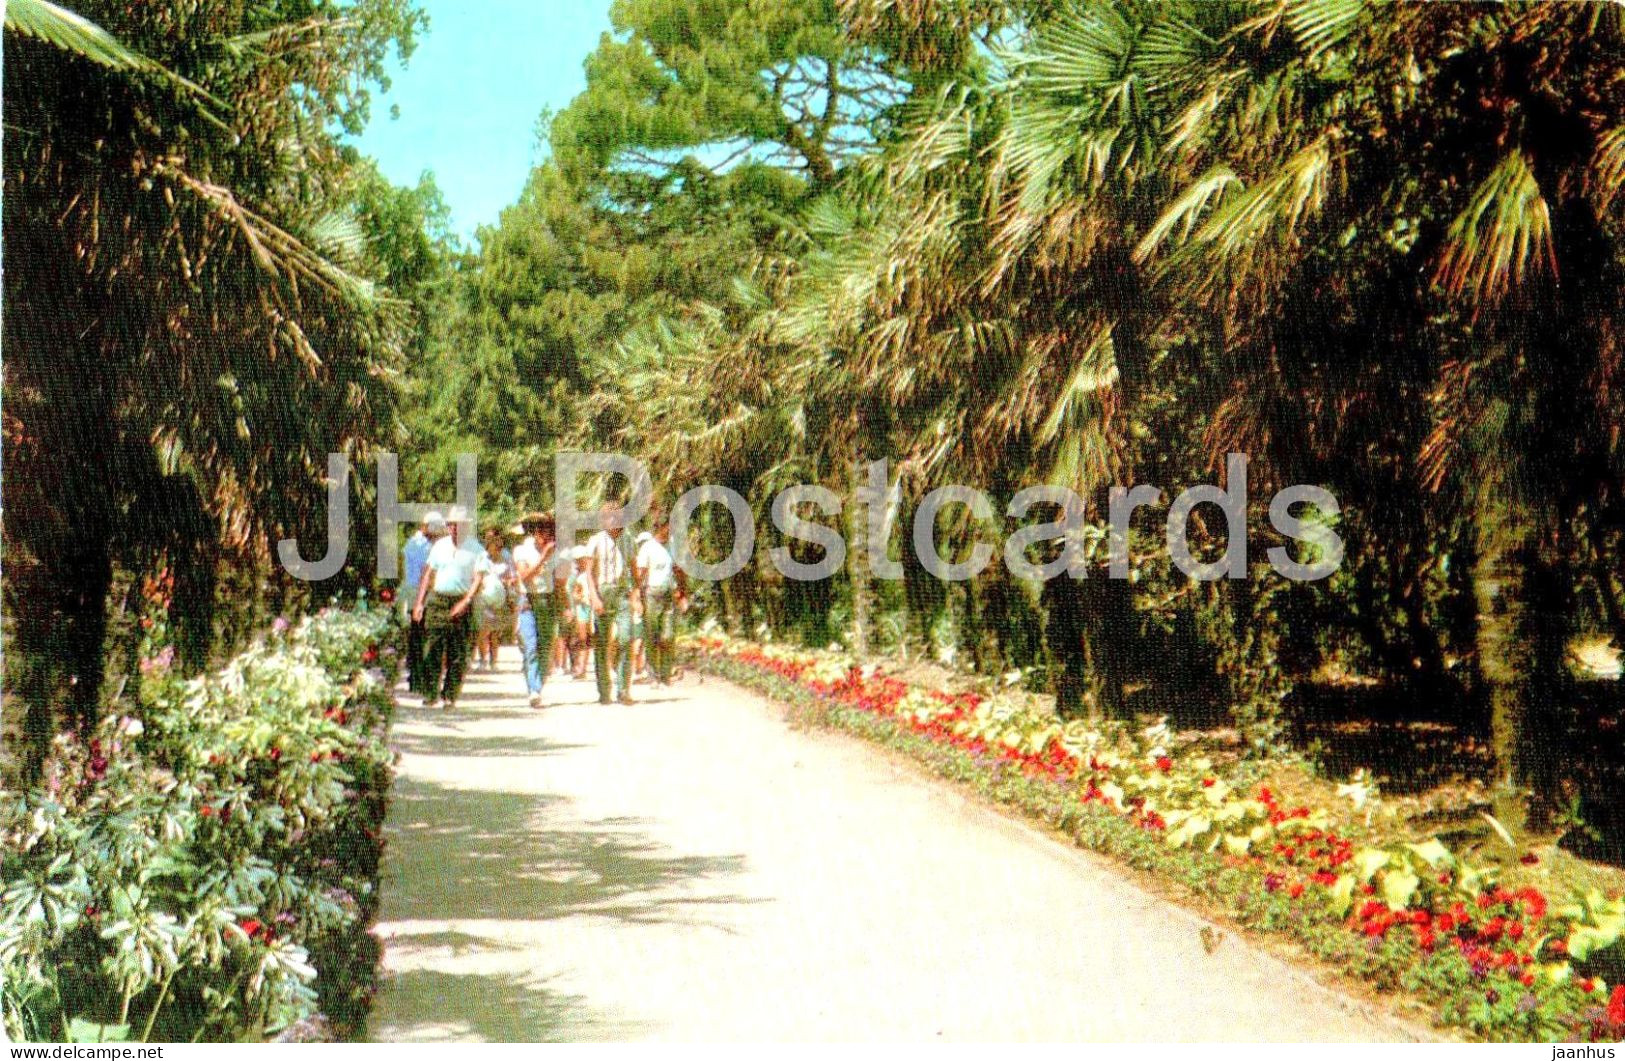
(478, 858)
(484, 1006)
(470, 854)
(458, 744)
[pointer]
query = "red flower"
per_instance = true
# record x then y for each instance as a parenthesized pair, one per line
(1207, 782)
(1616, 1007)
(1533, 902)
(1527, 979)
(1587, 985)
(1296, 890)
(1560, 946)
(1164, 763)
(387, 595)
(1530, 859)
(252, 927)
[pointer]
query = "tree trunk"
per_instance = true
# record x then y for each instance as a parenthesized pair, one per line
(859, 577)
(1110, 630)
(1517, 585)
(923, 596)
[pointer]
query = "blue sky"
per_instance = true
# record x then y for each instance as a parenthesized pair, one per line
(470, 95)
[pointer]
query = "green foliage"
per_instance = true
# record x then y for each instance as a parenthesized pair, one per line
(1104, 244)
(687, 89)
(205, 866)
(194, 317)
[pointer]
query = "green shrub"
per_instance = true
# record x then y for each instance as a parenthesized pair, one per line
(205, 866)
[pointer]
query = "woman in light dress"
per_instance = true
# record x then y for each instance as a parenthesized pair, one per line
(495, 611)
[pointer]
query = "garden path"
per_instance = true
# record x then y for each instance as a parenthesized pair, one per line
(690, 867)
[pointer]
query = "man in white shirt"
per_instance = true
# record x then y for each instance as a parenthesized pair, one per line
(661, 584)
(417, 558)
(610, 594)
(451, 581)
(541, 596)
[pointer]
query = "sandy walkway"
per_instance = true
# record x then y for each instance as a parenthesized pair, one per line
(691, 868)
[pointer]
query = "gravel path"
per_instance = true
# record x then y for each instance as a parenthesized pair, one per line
(691, 868)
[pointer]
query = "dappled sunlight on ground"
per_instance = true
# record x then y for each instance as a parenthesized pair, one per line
(688, 867)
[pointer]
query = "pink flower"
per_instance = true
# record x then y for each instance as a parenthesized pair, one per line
(281, 625)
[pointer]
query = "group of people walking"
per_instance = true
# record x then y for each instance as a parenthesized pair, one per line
(614, 600)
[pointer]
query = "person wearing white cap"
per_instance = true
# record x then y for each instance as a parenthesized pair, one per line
(451, 582)
(417, 558)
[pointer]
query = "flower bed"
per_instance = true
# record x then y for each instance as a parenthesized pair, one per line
(205, 868)
(1501, 963)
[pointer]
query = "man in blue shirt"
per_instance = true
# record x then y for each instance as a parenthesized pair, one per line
(417, 558)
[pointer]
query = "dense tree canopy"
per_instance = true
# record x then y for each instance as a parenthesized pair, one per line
(193, 313)
(1375, 248)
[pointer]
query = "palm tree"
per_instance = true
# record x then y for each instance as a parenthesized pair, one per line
(188, 324)
(1441, 139)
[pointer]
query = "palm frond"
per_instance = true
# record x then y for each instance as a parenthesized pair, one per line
(337, 235)
(1273, 211)
(1606, 180)
(1183, 214)
(1094, 371)
(61, 28)
(73, 33)
(1501, 238)
(1319, 25)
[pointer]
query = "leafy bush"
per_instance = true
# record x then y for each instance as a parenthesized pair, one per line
(205, 866)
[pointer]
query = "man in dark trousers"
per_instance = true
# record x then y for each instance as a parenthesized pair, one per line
(451, 583)
(417, 550)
